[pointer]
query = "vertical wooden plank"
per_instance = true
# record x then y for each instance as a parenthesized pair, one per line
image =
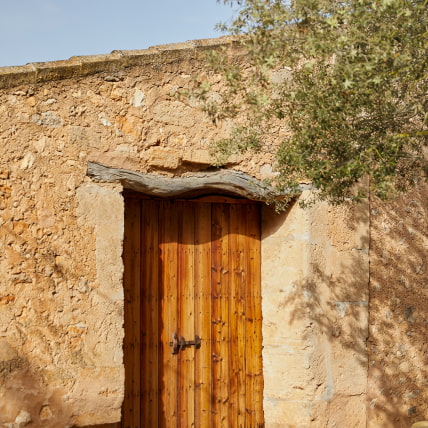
(220, 314)
(242, 308)
(254, 417)
(168, 373)
(186, 314)
(249, 331)
(203, 314)
(145, 311)
(132, 259)
(237, 316)
(149, 311)
(155, 311)
(254, 232)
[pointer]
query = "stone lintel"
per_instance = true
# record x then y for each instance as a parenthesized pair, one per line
(221, 181)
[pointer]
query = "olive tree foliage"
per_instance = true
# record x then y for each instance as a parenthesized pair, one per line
(348, 80)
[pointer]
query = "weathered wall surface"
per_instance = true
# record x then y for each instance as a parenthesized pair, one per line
(398, 347)
(61, 296)
(315, 307)
(61, 300)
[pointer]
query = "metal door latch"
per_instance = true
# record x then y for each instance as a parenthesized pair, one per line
(180, 345)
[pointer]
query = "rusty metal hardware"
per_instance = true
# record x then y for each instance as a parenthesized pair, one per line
(174, 344)
(180, 345)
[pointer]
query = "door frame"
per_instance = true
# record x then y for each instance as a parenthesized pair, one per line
(274, 226)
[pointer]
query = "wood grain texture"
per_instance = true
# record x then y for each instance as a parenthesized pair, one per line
(253, 316)
(192, 268)
(131, 283)
(220, 314)
(169, 314)
(149, 311)
(237, 315)
(254, 234)
(203, 314)
(186, 314)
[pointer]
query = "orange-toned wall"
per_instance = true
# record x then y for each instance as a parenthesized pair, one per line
(344, 288)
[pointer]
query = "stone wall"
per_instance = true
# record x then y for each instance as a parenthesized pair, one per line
(315, 307)
(398, 348)
(61, 296)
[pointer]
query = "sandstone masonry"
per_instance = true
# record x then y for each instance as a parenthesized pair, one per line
(344, 289)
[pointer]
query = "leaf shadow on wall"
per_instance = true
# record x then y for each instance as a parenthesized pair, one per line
(319, 319)
(365, 325)
(27, 401)
(398, 348)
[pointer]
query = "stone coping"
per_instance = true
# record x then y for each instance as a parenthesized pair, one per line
(79, 66)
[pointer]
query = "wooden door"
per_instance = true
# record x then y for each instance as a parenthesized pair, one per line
(192, 268)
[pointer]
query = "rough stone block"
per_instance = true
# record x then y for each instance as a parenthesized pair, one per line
(115, 160)
(163, 157)
(197, 156)
(14, 76)
(348, 226)
(57, 69)
(91, 64)
(174, 113)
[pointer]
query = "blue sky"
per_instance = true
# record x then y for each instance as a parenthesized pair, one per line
(48, 30)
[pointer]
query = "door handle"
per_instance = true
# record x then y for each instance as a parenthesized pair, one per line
(181, 344)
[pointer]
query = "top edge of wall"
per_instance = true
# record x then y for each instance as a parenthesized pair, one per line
(79, 66)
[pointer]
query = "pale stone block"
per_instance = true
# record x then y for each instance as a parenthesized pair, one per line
(293, 223)
(287, 414)
(103, 340)
(349, 368)
(97, 420)
(117, 160)
(288, 374)
(347, 273)
(27, 161)
(23, 419)
(197, 156)
(286, 325)
(97, 395)
(164, 157)
(351, 321)
(40, 144)
(285, 265)
(103, 209)
(82, 137)
(48, 118)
